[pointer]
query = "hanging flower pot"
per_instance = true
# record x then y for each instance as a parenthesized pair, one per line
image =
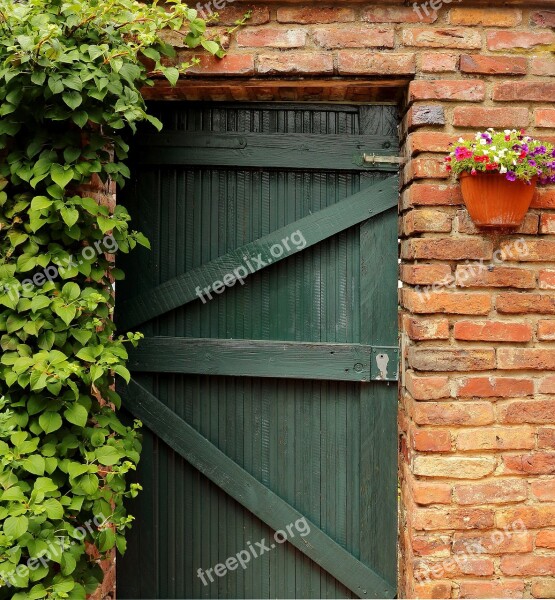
(499, 173)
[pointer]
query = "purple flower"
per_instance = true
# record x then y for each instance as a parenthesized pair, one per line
(539, 150)
(511, 176)
(532, 163)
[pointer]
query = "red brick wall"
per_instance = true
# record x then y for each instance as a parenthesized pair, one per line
(477, 410)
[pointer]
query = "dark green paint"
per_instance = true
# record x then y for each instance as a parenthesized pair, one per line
(253, 495)
(327, 448)
(283, 151)
(257, 255)
(252, 358)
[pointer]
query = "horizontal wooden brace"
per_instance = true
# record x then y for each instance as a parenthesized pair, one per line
(259, 150)
(252, 494)
(261, 358)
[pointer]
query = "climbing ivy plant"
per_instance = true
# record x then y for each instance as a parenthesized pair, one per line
(71, 74)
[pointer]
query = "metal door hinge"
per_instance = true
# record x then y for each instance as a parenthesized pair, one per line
(384, 364)
(383, 160)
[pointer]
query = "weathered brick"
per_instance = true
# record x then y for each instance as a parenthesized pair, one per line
(546, 279)
(532, 91)
(472, 116)
(474, 276)
(426, 492)
(526, 358)
(428, 194)
(535, 463)
(547, 220)
(495, 387)
(427, 329)
(498, 438)
(422, 115)
(500, 17)
(424, 274)
(546, 330)
(543, 66)
(529, 516)
(229, 15)
(492, 331)
(543, 588)
(531, 250)
(366, 63)
(449, 248)
(544, 491)
(397, 14)
(452, 359)
(454, 467)
(457, 90)
(527, 411)
(439, 63)
(493, 65)
(453, 413)
(527, 566)
(431, 545)
(433, 589)
(354, 36)
(442, 37)
(232, 64)
(546, 437)
(427, 388)
(547, 385)
(424, 302)
(510, 40)
(544, 198)
(431, 519)
(543, 18)
(491, 492)
(431, 440)
(464, 565)
(526, 303)
(430, 141)
(494, 542)
(314, 14)
(424, 168)
(295, 62)
(504, 588)
(271, 37)
(465, 224)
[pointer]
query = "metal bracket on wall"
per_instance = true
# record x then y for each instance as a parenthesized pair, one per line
(372, 159)
(384, 364)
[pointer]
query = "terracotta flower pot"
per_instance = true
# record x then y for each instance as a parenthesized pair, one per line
(494, 201)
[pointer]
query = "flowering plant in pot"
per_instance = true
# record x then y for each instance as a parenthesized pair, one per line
(499, 172)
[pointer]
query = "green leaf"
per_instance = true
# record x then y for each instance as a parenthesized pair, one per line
(108, 455)
(72, 99)
(15, 527)
(50, 421)
(106, 540)
(69, 215)
(68, 564)
(34, 464)
(38, 77)
(212, 47)
(39, 302)
(71, 291)
(66, 313)
(54, 509)
(89, 483)
(40, 203)
(60, 175)
(77, 415)
(172, 75)
(55, 84)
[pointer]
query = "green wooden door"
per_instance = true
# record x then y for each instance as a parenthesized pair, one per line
(266, 382)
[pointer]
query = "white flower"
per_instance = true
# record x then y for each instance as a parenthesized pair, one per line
(483, 141)
(497, 159)
(508, 132)
(493, 148)
(461, 140)
(503, 169)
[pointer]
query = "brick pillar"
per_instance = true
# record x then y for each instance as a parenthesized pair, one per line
(477, 417)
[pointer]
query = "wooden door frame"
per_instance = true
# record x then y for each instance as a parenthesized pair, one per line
(354, 91)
